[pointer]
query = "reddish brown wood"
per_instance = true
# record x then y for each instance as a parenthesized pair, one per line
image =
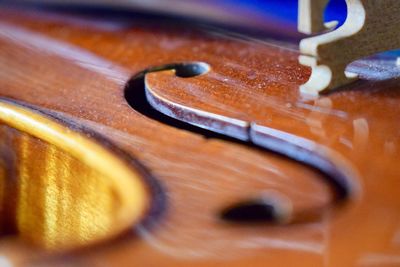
(77, 69)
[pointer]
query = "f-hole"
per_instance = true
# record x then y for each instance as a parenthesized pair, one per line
(245, 211)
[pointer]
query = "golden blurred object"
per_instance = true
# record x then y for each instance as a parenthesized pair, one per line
(58, 189)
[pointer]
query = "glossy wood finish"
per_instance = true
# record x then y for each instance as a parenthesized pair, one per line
(77, 70)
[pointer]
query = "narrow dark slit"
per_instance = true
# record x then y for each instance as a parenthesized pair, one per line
(244, 212)
(252, 211)
(135, 95)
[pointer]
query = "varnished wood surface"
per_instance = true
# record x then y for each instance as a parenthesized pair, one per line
(77, 69)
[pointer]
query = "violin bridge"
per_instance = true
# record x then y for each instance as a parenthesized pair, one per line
(371, 27)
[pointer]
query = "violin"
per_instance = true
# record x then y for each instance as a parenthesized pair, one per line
(142, 141)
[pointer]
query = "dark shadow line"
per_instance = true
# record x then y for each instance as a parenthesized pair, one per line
(135, 95)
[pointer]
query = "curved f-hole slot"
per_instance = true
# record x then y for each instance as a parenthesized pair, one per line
(269, 208)
(135, 95)
(188, 70)
(140, 95)
(62, 191)
(252, 211)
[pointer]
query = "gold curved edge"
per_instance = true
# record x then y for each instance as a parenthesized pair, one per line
(126, 185)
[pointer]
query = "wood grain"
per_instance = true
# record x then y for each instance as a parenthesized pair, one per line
(77, 70)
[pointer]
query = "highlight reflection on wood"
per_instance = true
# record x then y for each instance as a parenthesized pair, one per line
(56, 189)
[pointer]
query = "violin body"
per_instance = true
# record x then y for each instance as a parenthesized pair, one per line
(215, 127)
